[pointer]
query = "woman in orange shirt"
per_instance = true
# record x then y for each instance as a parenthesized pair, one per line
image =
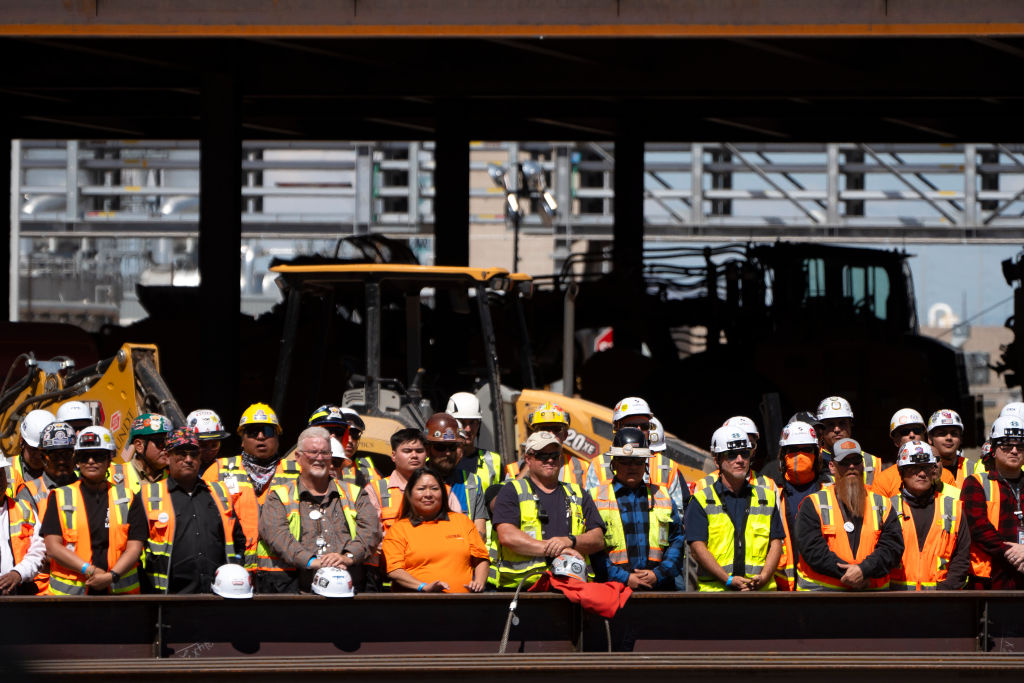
(433, 550)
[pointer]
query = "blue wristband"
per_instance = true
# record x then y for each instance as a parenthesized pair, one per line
(729, 582)
(420, 587)
(310, 561)
(84, 567)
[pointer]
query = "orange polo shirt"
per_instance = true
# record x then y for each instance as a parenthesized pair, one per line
(888, 482)
(438, 550)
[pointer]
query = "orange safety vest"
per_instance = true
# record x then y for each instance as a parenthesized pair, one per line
(785, 572)
(74, 526)
(573, 470)
(156, 500)
(924, 569)
(981, 561)
(22, 525)
(223, 468)
(37, 493)
(16, 476)
(965, 467)
(876, 509)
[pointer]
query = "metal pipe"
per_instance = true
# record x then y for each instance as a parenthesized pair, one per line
(493, 372)
(569, 339)
(371, 391)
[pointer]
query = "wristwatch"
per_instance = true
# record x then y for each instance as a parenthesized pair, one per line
(115, 575)
(572, 539)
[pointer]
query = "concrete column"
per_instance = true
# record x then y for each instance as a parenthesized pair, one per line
(451, 189)
(220, 241)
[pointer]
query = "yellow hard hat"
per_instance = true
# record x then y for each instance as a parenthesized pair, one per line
(547, 413)
(259, 414)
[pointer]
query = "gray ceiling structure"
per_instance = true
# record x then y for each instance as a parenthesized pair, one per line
(624, 70)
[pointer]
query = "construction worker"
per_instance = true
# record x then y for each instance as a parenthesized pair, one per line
(76, 414)
(734, 529)
(147, 460)
(28, 465)
(310, 522)
(747, 425)
(905, 426)
(801, 475)
(661, 469)
(551, 418)
(841, 517)
(94, 530)
(538, 517)
(211, 434)
(22, 550)
(945, 434)
(380, 503)
(992, 502)
(57, 443)
(194, 526)
(259, 464)
(443, 443)
(356, 428)
(936, 543)
(337, 425)
(465, 407)
(836, 418)
(643, 528)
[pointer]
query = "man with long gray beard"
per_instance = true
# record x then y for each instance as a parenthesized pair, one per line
(849, 538)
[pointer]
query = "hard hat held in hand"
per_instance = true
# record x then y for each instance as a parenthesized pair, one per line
(32, 426)
(915, 453)
(464, 406)
(333, 582)
(631, 405)
(834, 407)
(569, 566)
(232, 581)
(798, 434)
(904, 416)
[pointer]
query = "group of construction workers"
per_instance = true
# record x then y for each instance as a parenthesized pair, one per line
(170, 513)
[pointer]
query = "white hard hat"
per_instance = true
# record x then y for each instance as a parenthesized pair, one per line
(1014, 409)
(656, 436)
(4, 462)
(94, 438)
(207, 425)
(569, 566)
(232, 581)
(74, 410)
(729, 439)
(798, 434)
(946, 418)
(833, 407)
(632, 405)
(337, 450)
(333, 582)
(1007, 427)
(32, 426)
(904, 416)
(464, 406)
(915, 453)
(744, 423)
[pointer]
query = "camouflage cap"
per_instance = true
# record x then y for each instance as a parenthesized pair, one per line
(182, 437)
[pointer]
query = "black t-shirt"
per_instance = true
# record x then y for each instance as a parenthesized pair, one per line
(506, 510)
(97, 514)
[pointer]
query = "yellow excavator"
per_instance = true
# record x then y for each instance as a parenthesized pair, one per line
(116, 389)
(425, 332)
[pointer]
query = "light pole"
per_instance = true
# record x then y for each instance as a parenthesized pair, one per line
(523, 181)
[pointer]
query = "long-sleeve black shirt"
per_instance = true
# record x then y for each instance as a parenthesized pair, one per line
(888, 552)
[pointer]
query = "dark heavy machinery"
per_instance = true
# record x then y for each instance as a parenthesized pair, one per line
(1012, 362)
(764, 330)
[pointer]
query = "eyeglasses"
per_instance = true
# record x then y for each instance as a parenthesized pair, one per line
(912, 470)
(82, 457)
(254, 431)
(545, 457)
(60, 453)
(444, 447)
(354, 433)
(184, 454)
(906, 430)
(741, 453)
(318, 454)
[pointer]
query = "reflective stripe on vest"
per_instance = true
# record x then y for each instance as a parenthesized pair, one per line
(826, 506)
(515, 567)
(75, 535)
(488, 467)
(267, 560)
(923, 569)
(125, 473)
(981, 561)
(658, 523)
(721, 535)
(785, 572)
(21, 526)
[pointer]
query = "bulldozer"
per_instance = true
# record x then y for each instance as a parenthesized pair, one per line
(396, 340)
(117, 389)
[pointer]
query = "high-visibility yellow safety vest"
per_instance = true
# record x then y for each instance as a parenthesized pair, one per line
(722, 532)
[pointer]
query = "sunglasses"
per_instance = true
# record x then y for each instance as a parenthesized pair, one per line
(732, 455)
(256, 430)
(545, 457)
(1010, 445)
(159, 441)
(444, 447)
(83, 457)
(909, 429)
(642, 426)
(184, 454)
